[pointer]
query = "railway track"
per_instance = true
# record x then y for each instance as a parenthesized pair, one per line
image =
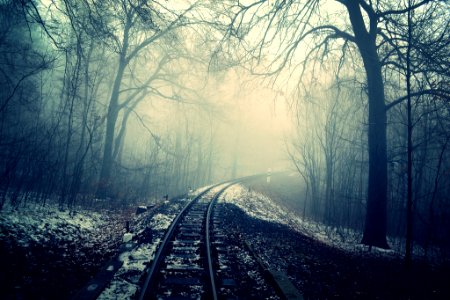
(202, 255)
(183, 264)
(195, 259)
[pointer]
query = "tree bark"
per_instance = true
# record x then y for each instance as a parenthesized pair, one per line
(104, 185)
(375, 225)
(409, 201)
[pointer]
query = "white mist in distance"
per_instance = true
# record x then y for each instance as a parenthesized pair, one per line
(252, 133)
(240, 117)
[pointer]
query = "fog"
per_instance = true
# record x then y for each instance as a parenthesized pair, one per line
(244, 117)
(132, 100)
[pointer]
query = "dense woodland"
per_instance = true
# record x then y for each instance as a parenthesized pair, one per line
(118, 101)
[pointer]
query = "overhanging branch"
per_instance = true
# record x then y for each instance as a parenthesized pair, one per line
(441, 93)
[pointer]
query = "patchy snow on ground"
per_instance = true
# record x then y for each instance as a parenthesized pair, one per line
(51, 252)
(256, 205)
(119, 289)
(262, 207)
(198, 191)
(48, 224)
(124, 285)
(161, 221)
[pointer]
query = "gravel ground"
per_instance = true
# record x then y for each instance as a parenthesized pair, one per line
(322, 272)
(319, 269)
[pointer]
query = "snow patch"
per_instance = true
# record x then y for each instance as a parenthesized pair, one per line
(161, 221)
(127, 237)
(118, 289)
(125, 282)
(48, 224)
(262, 207)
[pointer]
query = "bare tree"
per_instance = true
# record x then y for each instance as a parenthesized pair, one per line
(141, 24)
(294, 28)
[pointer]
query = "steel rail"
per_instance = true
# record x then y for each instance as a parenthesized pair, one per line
(164, 244)
(212, 276)
(159, 256)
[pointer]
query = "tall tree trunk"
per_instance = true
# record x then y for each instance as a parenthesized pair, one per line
(199, 178)
(409, 202)
(118, 143)
(83, 147)
(104, 185)
(375, 225)
(71, 92)
(329, 216)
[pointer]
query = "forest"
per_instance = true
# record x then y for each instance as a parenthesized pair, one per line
(126, 101)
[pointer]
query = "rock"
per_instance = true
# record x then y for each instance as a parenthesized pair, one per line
(141, 209)
(145, 236)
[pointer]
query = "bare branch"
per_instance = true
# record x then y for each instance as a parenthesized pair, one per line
(403, 11)
(445, 94)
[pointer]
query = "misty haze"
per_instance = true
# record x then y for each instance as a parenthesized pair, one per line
(202, 149)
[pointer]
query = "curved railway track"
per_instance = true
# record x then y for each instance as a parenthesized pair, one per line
(203, 256)
(184, 263)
